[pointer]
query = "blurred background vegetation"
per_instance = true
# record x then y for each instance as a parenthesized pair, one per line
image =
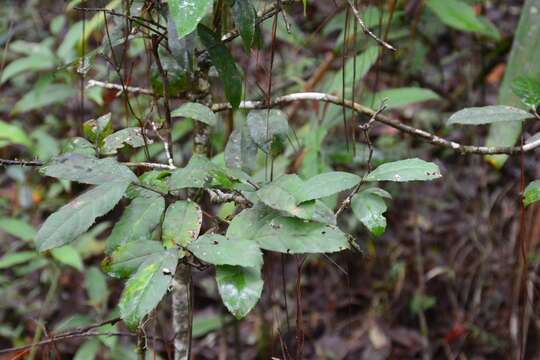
(437, 284)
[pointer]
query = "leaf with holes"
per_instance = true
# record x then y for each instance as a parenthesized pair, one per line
(138, 221)
(219, 250)
(405, 170)
(145, 289)
(224, 63)
(187, 14)
(488, 115)
(197, 112)
(182, 224)
(369, 208)
(76, 217)
(126, 259)
(87, 169)
(295, 236)
(239, 287)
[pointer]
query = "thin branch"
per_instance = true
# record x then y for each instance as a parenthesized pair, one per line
(366, 30)
(8, 162)
(219, 197)
(396, 124)
(112, 86)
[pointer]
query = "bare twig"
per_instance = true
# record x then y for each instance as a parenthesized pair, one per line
(219, 197)
(366, 29)
(112, 86)
(8, 162)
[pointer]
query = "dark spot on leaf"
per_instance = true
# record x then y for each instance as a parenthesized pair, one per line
(323, 232)
(215, 242)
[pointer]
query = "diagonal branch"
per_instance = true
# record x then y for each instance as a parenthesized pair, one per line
(366, 30)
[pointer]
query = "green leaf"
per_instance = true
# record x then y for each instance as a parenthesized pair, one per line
(13, 134)
(245, 17)
(12, 259)
(531, 193)
(96, 130)
(18, 228)
(196, 174)
(42, 96)
(182, 224)
(461, 16)
(126, 259)
(240, 288)
(224, 63)
(138, 221)
(219, 250)
(96, 286)
(145, 289)
(528, 91)
(187, 14)
(326, 184)
(28, 64)
(79, 145)
(263, 125)
(76, 217)
(154, 182)
(69, 256)
(196, 111)
(131, 136)
(488, 115)
(87, 170)
(246, 224)
(405, 170)
(293, 236)
(369, 208)
(400, 97)
(241, 150)
(280, 193)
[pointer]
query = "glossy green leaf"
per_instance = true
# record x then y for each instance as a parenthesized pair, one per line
(239, 287)
(531, 193)
(488, 115)
(245, 17)
(13, 134)
(196, 111)
(16, 258)
(187, 14)
(219, 250)
(126, 259)
(241, 150)
(293, 236)
(461, 16)
(404, 96)
(182, 224)
(76, 217)
(96, 130)
(131, 136)
(405, 170)
(138, 221)
(145, 289)
(224, 63)
(87, 170)
(369, 208)
(326, 184)
(527, 90)
(196, 174)
(68, 255)
(263, 125)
